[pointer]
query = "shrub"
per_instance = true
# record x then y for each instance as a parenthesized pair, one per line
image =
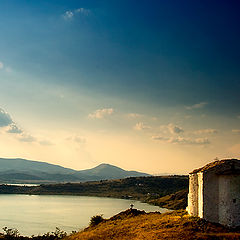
(10, 233)
(95, 220)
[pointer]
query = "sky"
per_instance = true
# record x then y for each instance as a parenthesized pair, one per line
(151, 86)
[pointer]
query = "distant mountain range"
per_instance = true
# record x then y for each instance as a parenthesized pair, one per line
(27, 171)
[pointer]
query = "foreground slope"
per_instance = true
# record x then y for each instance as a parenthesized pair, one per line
(138, 225)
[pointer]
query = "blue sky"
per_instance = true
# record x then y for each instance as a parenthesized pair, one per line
(162, 75)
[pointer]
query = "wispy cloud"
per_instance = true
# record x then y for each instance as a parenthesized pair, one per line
(182, 140)
(197, 106)
(70, 14)
(134, 115)
(236, 131)
(206, 131)
(173, 129)
(45, 143)
(9, 126)
(83, 11)
(26, 138)
(13, 128)
(101, 113)
(160, 138)
(141, 126)
(5, 118)
(77, 139)
(1, 65)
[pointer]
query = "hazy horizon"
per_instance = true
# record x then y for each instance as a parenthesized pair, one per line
(151, 86)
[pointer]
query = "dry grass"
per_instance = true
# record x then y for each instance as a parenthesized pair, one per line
(133, 224)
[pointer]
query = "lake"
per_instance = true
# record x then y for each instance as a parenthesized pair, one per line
(38, 214)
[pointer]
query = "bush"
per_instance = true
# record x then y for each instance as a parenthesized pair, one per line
(95, 220)
(10, 233)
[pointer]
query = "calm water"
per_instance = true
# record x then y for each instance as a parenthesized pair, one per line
(32, 214)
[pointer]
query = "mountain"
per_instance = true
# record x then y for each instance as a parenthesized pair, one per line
(22, 170)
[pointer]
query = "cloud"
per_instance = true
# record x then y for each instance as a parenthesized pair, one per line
(206, 131)
(197, 141)
(69, 15)
(45, 143)
(197, 106)
(77, 139)
(5, 118)
(160, 138)
(26, 138)
(173, 129)
(236, 131)
(141, 126)
(83, 11)
(13, 128)
(101, 113)
(182, 140)
(134, 115)
(1, 65)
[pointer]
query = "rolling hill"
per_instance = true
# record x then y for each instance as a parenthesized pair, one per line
(22, 170)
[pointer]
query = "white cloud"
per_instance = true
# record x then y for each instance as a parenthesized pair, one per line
(160, 138)
(236, 131)
(69, 15)
(101, 113)
(206, 131)
(141, 126)
(134, 115)
(45, 143)
(83, 11)
(197, 141)
(182, 140)
(77, 139)
(13, 128)
(173, 129)
(26, 138)
(197, 106)
(5, 118)
(1, 65)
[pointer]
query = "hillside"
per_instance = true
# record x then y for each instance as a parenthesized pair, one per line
(138, 225)
(23, 171)
(146, 189)
(175, 201)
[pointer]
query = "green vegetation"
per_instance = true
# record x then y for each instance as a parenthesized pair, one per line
(13, 234)
(147, 189)
(95, 220)
(173, 201)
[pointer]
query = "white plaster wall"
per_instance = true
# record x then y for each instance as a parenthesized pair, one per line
(193, 195)
(200, 194)
(210, 196)
(229, 200)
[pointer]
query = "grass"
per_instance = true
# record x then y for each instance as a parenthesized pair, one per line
(173, 201)
(138, 225)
